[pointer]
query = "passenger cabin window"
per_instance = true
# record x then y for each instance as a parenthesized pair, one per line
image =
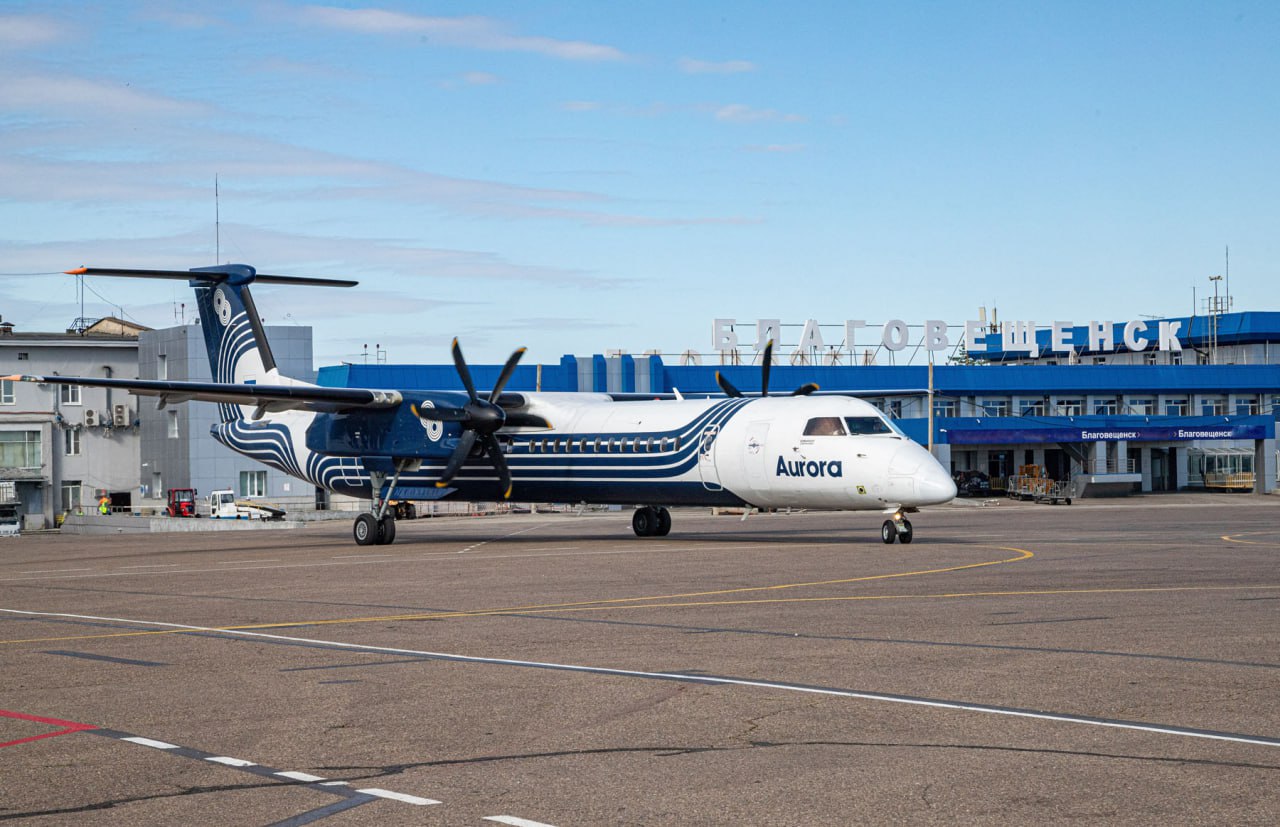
(824, 426)
(864, 425)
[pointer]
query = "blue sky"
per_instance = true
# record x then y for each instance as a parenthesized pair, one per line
(576, 177)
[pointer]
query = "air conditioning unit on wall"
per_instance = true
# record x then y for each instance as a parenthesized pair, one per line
(90, 418)
(121, 417)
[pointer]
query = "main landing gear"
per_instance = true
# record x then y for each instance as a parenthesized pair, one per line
(377, 527)
(650, 521)
(370, 530)
(897, 528)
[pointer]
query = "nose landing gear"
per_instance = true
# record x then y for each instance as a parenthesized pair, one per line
(897, 528)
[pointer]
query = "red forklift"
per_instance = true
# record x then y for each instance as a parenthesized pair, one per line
(182, 502)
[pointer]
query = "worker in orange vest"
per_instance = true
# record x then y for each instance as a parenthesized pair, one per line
(102, 505)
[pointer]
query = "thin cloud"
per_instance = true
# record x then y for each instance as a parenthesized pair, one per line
(471, 79)
(45, 166)
(59, 93)
(23, 31)
(741, 113)
(180, 18)
(481, 33)
(692, 66)
(333, 256)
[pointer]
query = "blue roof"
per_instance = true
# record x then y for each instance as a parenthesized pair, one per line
(877, 380)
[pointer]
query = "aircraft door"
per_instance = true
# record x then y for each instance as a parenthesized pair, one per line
(756, 460)
(707, 458)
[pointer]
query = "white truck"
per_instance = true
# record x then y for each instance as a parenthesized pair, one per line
(223, 505)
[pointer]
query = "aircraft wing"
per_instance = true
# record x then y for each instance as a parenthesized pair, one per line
(264, 397)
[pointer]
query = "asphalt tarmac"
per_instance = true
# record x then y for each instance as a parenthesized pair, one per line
(1111, 662)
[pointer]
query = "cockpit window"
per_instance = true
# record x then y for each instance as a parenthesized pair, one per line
(824, 426)
(862, 425)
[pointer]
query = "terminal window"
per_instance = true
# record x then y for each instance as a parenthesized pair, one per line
(1032, 407)
(995, 407)
(20, 449)
(1213, 406)
(1175, 407)
(70, 495)
(253, 483)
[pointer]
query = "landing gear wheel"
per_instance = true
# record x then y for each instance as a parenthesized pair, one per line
(387, 530)
(365, 530)
(905, 534)
(644, 522)
(888, 532)
(664, 523)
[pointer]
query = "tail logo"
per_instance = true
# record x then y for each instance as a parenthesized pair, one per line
(222, 307)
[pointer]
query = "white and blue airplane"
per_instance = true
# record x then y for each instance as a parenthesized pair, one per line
(828, 452)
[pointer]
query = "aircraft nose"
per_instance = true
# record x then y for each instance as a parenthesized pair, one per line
(932, 484)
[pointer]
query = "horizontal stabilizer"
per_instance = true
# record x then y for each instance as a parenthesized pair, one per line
(239, 272)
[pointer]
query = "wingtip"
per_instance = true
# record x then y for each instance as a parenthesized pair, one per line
(506, 495)
(79, 271)
(441, 484)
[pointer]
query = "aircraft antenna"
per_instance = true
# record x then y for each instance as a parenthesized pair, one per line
(217, 223)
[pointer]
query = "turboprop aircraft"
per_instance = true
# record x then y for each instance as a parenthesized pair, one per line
(829, 452)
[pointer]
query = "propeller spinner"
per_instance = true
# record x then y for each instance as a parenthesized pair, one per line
(480, 419)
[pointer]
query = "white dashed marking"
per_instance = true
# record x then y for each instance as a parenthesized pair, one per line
(394, 796)
(230, 762)
(147, 742)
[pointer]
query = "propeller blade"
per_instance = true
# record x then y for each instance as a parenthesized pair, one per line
(441, 414)
(464, 373)
(805, 389)
(459, 456)
(525, 420)
(726, 385)
(507, 369)
(499, 463)
(766, 364)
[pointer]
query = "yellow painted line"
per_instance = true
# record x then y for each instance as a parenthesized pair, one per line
(596, 605)
(1235, 538)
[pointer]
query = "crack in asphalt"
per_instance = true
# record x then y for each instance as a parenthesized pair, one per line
(355, 772)
(117, 802)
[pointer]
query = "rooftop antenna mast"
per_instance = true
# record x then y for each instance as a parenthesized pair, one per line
(1227, 273)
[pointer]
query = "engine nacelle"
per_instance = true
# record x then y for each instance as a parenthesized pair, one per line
(398, 432)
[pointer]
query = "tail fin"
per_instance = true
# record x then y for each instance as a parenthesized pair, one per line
(239, 352)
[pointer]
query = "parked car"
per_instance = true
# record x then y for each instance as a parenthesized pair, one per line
(972, 484)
